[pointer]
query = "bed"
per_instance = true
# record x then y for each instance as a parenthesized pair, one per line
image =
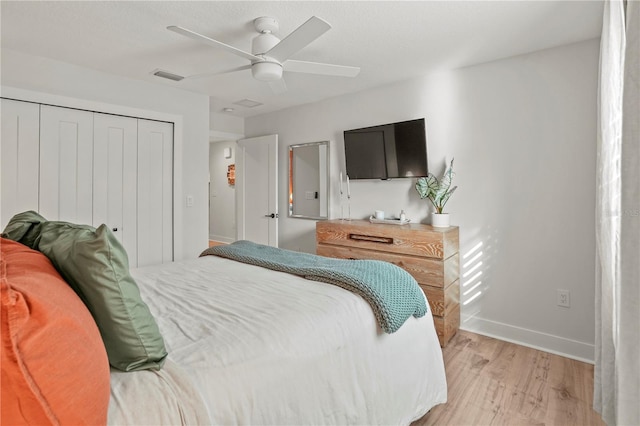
(249, 345)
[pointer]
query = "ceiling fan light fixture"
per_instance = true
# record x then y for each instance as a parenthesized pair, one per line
(266, 71)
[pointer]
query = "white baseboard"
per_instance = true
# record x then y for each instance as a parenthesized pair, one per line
(533, 339)
(221, 239)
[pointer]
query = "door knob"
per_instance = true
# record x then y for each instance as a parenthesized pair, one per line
(115, 229)
(272, 215)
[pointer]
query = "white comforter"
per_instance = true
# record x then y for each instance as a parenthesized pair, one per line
(265, 347)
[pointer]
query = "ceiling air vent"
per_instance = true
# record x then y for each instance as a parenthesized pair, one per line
(248, 103)
(167, 75)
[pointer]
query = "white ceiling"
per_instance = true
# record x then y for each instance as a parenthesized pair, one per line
(390, 41)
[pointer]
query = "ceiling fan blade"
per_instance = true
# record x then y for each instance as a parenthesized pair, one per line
(299, 38)
(320, 68)
(278, 86)
(212, 73)
(211, 42)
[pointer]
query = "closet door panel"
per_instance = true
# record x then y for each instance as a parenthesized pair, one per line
(114, 178)
(167, 196)
(155, 192)
(19, 151)
(66, 164)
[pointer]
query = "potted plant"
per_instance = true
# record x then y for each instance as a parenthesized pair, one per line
(438, 191)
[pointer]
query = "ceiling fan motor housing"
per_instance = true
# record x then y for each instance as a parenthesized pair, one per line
(262, 43)
(269, 69)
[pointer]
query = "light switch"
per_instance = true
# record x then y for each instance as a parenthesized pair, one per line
(189, 200)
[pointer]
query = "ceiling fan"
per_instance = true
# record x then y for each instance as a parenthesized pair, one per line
(270, 56)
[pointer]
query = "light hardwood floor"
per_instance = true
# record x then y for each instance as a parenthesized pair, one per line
(492, 382)
(215, 243)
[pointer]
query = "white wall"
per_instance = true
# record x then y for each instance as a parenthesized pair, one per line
(522, 131)
(83, 86)
(226, 124)
(222, 196)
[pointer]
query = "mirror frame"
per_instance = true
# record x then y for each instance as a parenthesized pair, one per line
(290, 200)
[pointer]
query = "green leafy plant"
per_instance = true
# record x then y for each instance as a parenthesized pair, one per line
(437, 190)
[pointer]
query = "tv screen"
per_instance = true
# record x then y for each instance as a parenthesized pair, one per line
(388, 151)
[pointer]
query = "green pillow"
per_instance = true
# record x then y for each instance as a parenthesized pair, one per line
(24, 228)
(96, 266)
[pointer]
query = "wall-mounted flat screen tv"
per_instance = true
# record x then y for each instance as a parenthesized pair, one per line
(388, 151)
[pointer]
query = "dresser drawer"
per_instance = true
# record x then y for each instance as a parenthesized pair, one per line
(427, 271)
(442, 301)
(412, 239)
(447, 326)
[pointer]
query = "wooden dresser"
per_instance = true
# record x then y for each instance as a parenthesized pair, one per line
(429, 254)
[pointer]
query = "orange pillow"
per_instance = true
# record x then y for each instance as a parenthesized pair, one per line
(54, 364)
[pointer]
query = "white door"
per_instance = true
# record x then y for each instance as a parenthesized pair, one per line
(66, 164)
(155, 192)
(115, 154)
(19, 151)
(257, 189)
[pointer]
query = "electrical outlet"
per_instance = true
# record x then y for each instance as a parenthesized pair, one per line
(564, 298)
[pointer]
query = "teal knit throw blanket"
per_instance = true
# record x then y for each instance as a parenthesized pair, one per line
(392, 293)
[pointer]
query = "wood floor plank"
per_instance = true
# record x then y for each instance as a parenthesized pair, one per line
(492, 382)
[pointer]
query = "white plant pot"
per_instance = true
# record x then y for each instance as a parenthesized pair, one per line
(440, 220)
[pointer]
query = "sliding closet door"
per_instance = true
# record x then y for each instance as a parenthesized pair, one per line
(66, 164)
(115, 156)
(155, 192)
(19, 142)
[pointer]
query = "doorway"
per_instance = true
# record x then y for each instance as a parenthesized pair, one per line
(245, 207)
(222, 192)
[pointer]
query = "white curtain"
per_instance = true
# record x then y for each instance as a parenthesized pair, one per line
(617, 367)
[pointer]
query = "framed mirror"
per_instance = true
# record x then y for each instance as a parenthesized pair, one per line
(309, 180)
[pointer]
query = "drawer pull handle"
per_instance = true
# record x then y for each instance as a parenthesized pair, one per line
(383, 240)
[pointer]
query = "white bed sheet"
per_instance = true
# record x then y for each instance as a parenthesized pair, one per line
(265, 347)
